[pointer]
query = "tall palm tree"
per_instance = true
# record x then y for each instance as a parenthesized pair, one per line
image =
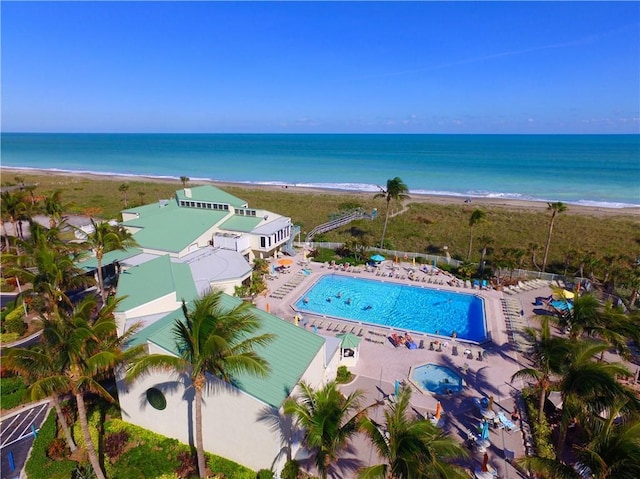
(105, 238)
(589, 387)
(555, 208)
(214, 342)
(185, 180)
(549, 356)
(410, 447)
(486, 242)
(85, 348)
(476, 217)
(328, 419)
(124, 188)
(396, 190)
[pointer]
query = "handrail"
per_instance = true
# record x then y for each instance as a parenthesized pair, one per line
(337, 223)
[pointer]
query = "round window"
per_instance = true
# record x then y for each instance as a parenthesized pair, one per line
(156, 399)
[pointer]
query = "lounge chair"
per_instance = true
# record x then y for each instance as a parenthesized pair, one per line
(421, 346)
(360, 332)
(509, 425)
(409, 342)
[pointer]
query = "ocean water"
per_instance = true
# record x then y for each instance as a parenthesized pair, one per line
(597, 170)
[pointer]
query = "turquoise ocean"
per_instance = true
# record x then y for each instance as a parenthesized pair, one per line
(595, 170)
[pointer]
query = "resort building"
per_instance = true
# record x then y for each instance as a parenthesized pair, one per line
(205, 239)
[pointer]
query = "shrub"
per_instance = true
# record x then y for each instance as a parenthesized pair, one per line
(15, 324)
(264, 474)
(12, 392)
(343, 375)
(57, 449)
(541, 431)
(114, 443)
(8, 337)
(290, 470)
(188, 465)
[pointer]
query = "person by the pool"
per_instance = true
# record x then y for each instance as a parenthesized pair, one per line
(339, 295)
(348, 300)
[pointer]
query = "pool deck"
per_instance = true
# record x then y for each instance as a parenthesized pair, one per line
(380, 364)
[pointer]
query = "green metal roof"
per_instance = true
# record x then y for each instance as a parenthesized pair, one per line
(108, 258)
(213, 194)
(349, 340)
(154, 279)
(172, 228)
(289, 354)
(245, 224)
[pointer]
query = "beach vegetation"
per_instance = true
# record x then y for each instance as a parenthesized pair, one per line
(124, 189)
(396, 190)
(213, 342)
(411, 446)
(290, 470)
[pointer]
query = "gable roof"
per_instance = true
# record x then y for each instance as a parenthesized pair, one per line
(171, 228)
(289, 354)
(152, 280)
(91, 262)
(212, 194)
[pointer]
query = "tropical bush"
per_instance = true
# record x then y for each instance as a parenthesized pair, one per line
(264, 474)
(541, 430)
(290, 470)
(12, 392)
(343, 375)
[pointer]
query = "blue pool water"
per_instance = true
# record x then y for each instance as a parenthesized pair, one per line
(436, 379)
(398, 306)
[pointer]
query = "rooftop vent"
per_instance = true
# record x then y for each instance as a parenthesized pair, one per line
(187, 192)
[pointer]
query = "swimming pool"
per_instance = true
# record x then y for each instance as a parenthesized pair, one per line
(436, 379)
(396, 305)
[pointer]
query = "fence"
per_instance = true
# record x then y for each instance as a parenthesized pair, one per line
(515, 274)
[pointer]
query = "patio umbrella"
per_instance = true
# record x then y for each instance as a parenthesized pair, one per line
(438, 411)
(268, 308)
(285, 262)
(396, 389)
(378, 257)
(490, 405)
(414, 261)
(485, 463)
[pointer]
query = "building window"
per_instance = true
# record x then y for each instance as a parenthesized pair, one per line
(263, 242)
(156, 399)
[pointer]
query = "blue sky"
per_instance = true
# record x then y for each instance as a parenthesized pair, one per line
(307, 67)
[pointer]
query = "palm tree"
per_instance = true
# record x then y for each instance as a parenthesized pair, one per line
(589, 387)
(48, 267)
(613, 451)
(328, 420)
(84, 348)
(396, 190)
(486, 241)
(53, 207)
(555, 208)
(106, 238)
(124, 188)
(476, 217)
(39, 368)
(410, 447)
(13, 205)
(213, 342)
(185, 180)
(549, 356)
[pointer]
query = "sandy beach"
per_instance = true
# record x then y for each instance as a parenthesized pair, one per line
(519, 205)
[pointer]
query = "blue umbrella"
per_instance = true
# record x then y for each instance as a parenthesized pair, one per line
(397, 388)
(485, 430)
(378, 257)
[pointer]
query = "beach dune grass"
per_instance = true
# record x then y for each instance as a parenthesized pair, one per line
(427, 225)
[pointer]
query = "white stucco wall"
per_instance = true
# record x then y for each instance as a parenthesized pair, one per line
(163, 304)
(231, 419)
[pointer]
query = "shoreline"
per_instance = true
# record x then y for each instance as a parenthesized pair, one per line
(509, 203)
